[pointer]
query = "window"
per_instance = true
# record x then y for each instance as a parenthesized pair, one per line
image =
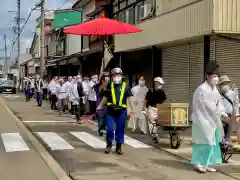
(130, 15)
(123, 4)
(115, 8)
(115, 2)
(138, 13)
(130, 1)
(122, 16)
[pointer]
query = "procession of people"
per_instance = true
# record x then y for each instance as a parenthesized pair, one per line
(109, 99)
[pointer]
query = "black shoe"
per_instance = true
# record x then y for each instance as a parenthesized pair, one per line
(100, 133)
(119, 149)
(108, 149)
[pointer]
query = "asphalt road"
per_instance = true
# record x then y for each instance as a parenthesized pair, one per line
(80, 152)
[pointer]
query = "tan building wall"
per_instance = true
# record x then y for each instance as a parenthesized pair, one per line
(164, 6)
(226, 16)
(186, 21)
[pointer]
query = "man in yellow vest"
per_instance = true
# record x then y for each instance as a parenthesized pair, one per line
(115, 97)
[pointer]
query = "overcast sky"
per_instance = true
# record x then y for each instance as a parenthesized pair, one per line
(7, 21)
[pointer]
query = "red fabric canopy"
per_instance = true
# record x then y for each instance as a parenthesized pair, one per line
(102, 26)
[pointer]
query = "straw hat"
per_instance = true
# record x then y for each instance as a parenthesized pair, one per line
(223, 79)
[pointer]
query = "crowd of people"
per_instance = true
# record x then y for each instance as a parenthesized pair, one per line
(109, 99)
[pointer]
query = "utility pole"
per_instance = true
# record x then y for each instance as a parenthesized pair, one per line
(6, 57)
(42, 60)
(19, 34)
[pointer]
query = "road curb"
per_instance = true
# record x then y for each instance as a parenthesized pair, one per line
(46, 156)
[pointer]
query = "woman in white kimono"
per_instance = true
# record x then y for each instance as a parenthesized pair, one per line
(207, 130)
(139, 92)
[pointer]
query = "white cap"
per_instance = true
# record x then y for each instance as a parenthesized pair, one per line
(159, 79)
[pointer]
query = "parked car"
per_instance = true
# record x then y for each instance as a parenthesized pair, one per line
(7, 86)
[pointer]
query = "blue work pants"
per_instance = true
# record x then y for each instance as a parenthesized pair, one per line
(39, 98)
(101, 120)
(120, 120)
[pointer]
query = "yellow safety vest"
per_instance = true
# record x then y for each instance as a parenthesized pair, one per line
(114, 101)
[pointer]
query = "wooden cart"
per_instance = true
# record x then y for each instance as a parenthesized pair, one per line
(173, 118)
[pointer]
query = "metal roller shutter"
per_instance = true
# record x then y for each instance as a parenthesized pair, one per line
(196, 68)
(228, 57)
(176, 73)
(212, 51)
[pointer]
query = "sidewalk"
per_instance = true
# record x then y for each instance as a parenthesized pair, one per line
(19, 157)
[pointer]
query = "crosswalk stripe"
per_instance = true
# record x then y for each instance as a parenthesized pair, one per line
(54, 141)
(13, 142)
(135, 143)
(90, 140)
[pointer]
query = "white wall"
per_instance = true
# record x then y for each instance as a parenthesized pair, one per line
(73, 44)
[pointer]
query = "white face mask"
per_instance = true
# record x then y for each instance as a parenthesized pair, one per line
(225, 88)
(214, 80)
(141, 82)
(117, 79)
(157, 85)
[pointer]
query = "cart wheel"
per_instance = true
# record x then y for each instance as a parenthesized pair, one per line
(175, 140)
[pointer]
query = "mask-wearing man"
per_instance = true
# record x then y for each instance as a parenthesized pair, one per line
(76, 101)
(139, 92)
(115, 96)
(229, 102)
(38, 85)
(92, 96)
(62, 94)
(52, 89)
(207, 129)
(68, 89)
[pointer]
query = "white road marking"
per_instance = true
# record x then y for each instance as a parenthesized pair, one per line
(90, 140)
(10, 96)
(135, 143)
(69, 121)
(13, 142)
(54, 141)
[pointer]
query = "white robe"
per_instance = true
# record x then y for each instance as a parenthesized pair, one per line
(206, 115)
(62, 91)
(92, 96)
(74, 94)
(139, 93)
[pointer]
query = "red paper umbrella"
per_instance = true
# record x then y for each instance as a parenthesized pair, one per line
(102, 26)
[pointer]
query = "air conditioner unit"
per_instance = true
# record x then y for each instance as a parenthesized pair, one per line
(36, 55)
(145, 11)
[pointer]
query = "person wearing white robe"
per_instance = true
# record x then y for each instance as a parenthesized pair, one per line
(52, 87)
(229, 102)
(92, 96)
(68, 89)
(207, 130)
(86, 88)
(139, 92)
(76, 101)
(62, 95)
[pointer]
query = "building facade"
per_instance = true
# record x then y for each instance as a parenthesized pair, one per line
(179, 38)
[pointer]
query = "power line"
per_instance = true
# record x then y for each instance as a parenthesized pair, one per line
(62, 5)
(26, 21)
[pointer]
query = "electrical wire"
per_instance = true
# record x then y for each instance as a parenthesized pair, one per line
(62, 5)
(26, 21)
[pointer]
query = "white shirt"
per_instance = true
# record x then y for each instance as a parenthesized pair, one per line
(74, 94)
(61, 91)
(92, 96)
